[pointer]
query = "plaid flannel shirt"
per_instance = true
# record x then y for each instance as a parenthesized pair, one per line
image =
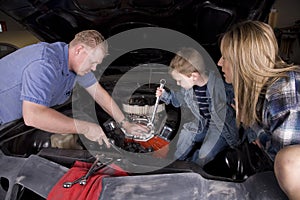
(280, 124)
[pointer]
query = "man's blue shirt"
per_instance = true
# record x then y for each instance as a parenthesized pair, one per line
(37, 73)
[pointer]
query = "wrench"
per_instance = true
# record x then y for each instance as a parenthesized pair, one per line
(162, 84)
(70, 184)
(83, 179)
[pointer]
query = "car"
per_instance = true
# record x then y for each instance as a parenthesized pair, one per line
(13, 40)
(142, 36)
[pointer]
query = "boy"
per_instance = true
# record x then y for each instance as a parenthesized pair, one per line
(204, 94)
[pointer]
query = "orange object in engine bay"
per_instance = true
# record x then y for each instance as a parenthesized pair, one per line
(157, 143)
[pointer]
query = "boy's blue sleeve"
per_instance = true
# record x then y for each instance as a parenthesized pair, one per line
(175, 98)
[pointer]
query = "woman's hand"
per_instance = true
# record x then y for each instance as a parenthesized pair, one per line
(257, 142)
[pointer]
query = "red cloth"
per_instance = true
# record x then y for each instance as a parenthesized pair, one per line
(93, 187)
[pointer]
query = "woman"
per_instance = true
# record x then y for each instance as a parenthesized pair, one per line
(267, 96)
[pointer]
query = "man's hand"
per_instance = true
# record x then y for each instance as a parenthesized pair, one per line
(50, 120)
(135, 129)
(94, 133)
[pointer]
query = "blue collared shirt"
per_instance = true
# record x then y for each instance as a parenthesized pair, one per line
(37, 73)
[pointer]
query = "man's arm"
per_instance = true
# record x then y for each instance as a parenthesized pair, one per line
(101, 96)
(50, 120)
(104, 100)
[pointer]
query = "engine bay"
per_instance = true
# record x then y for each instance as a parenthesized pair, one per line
(146, 155)
(157, 145)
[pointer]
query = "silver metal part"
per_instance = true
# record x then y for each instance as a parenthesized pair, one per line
(162, 84)
(83, 179)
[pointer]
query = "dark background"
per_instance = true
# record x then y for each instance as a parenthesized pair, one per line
(287, 25)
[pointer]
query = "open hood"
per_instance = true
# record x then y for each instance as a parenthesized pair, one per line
(204, 21)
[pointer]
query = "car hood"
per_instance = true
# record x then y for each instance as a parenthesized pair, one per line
(204, 21)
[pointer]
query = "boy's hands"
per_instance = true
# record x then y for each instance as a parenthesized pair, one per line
(159, 92)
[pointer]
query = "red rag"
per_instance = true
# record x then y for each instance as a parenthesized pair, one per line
(93, 187)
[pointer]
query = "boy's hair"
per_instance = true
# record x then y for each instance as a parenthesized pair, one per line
(91, 38)
(187, 61)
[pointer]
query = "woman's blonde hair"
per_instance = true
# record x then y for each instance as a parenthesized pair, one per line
(91, 38)
(187, 61)
(251, 49)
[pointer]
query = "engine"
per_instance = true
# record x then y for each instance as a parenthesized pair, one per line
(144, 108)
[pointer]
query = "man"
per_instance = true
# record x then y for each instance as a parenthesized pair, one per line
(37, 77)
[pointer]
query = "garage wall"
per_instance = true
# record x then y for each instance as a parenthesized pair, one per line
(288, 14)
(10, 23)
